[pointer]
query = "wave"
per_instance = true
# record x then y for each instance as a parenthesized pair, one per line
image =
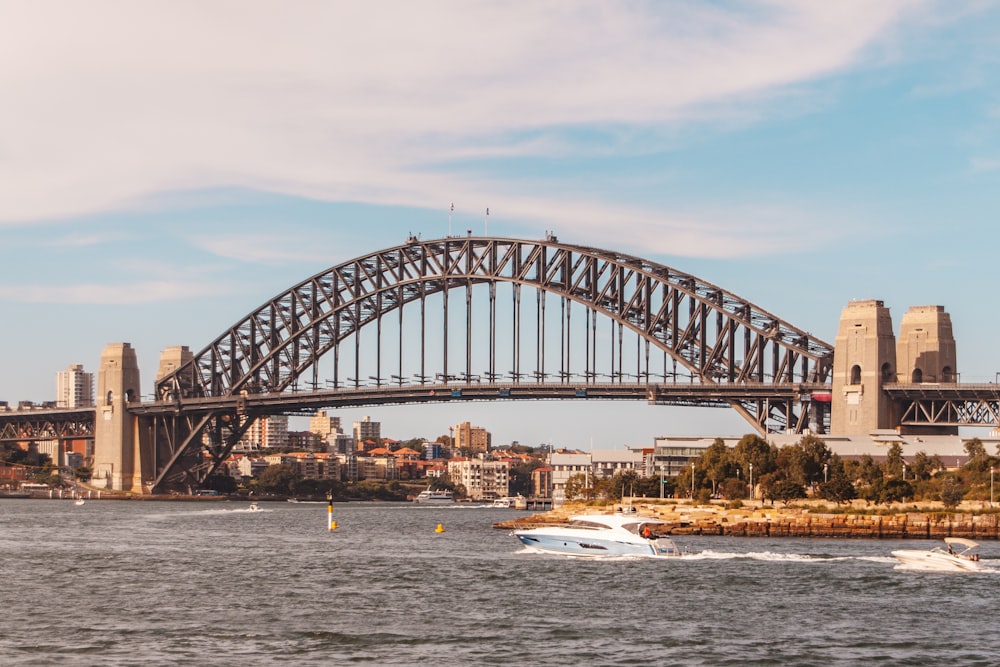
(773, 556)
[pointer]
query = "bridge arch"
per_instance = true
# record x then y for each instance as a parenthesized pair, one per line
(706, 334)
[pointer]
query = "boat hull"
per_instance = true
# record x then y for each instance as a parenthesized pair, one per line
(936, 561)
(592, 546)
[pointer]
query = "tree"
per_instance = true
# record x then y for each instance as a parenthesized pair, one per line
(623, 482)
(576, 486)
(951, 492)
(921, 466)
(752, 449)
(977, 454)
(838, 490)
(734, 489)
(893, 464)
(785, 490)
(809, 457)
(715, 462)
(279, 479)
(885, 491)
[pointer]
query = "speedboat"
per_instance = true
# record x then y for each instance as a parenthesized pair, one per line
(959, 555)
(254, 507)
(430, 497)
(596, 535)
(503, 502)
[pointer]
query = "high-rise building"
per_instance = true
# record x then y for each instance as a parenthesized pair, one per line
(325, 426)
(74, 388)
(471, 439)
(366, 429)
(268, 432)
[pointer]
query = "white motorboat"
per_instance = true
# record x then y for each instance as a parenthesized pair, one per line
(596, 535)
(254, 507)
(503, 502)
(960, 555)
(429, 497)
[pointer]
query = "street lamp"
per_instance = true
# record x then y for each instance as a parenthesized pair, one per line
(991, 486)
(904, 472)
(692, 479)
(751, 481)
(826, 467)
(661, 480)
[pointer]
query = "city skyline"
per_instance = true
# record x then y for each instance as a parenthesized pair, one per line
(168, 168)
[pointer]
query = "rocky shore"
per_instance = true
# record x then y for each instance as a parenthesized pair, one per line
(904, 522)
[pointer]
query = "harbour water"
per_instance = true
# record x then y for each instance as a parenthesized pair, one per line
(186, 583)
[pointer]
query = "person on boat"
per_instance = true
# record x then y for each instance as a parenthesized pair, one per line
(950, 550)
(646, 532)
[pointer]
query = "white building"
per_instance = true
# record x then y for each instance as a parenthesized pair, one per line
(483, 479)
(74, 388)
(270, 431)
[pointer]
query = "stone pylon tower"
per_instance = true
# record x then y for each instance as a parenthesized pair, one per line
(864, 357)
(118, 441)
(925, 352)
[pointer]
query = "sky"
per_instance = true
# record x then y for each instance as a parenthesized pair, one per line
(168, 167)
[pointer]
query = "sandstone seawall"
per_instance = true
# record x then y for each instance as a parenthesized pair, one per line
(795, 522)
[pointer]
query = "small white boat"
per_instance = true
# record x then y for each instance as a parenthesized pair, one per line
(596, 535)
(503, 502)
(959, 556)
(79, 501)
(254, 507)
(429, 497)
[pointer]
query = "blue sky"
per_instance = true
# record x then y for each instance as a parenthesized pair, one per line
(167, 167)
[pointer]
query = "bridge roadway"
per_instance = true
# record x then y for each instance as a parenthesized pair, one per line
(307, 402)
(922, 404)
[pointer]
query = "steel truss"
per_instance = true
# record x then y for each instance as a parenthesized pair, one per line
(61, 424)
(708, 337)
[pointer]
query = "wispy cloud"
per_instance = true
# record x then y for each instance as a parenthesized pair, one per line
(109, 294)
(371, 102)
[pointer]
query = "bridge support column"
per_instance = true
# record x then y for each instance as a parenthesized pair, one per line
(119, 438)
(925, 352)
(864, 358)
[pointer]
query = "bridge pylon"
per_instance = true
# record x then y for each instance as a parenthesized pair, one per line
(864, 358)
(926, 354)
(120, 440)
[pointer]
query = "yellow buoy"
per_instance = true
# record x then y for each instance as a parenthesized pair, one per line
(440, 528)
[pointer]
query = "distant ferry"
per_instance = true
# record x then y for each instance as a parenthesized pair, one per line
(435, 497)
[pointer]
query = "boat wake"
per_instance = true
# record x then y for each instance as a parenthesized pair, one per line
(929, 567)
(772, 556)
(202, 513)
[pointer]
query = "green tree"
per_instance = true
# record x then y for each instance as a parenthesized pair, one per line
(715, 461)
(838, 490)
(951, 492)
(622, 482)
(977, 455)
(785, 490)
(576, 486)
(279, 479)
(752, 449)
(893, 464)
(810, 454)
(921, 466)
(734, 489)
(868, 471)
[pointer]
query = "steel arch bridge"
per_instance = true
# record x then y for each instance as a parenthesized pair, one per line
(482, 318)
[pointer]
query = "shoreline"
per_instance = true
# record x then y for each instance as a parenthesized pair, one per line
(907, 521)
